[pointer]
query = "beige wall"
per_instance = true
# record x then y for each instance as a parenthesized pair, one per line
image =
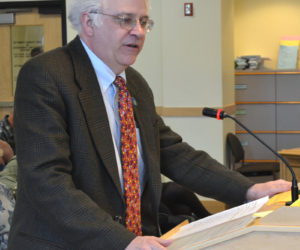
(259, 24)
(192, 70)
(191, 49)
(150, 61)
(227, 62)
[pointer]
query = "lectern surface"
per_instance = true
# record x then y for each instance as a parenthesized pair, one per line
(278, 230)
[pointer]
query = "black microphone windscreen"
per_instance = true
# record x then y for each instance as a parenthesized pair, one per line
(219, 114)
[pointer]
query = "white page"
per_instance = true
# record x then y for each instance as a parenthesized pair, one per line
(203, 237)
(222, 217)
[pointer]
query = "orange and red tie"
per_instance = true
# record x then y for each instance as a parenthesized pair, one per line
(129, 159)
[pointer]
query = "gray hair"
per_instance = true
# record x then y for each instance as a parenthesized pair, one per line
(77, 7)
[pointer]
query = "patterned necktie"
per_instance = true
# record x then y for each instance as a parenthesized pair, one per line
(129, 159)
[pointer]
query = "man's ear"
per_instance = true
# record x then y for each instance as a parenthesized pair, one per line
(87, 24)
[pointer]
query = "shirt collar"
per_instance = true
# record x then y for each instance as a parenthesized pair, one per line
(104, 74)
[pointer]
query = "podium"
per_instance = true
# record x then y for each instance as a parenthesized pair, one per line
(280, 229)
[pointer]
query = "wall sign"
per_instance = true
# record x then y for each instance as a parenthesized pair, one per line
(26, 41)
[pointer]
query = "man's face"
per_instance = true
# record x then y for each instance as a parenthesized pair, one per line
(117, 46)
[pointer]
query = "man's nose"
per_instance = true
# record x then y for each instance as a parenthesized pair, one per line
(137, 28)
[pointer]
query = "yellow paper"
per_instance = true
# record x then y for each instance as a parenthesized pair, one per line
(282, 197)
(262, 214)
(290, 43)
(296, 203)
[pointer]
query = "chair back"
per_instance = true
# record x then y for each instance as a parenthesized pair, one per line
(234, 151)
(258, 172)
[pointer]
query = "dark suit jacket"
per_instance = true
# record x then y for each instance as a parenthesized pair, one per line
(69, 194)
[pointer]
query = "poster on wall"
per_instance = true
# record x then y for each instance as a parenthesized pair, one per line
(288, 52)
(27, 41)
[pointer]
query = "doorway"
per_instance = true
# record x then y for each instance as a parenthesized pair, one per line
(20, 18)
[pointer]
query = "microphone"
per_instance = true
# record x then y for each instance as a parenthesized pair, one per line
(220, 115)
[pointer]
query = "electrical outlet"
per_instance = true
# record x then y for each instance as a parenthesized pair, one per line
(188, 9)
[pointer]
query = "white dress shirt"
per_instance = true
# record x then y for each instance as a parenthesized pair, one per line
(106, 78)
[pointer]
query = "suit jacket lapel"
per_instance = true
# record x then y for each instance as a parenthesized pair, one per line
(152, 178)
(93, 106)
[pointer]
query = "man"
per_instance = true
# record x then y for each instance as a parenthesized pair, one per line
(73, 142)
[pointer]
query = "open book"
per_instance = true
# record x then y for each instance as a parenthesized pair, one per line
(216, 225)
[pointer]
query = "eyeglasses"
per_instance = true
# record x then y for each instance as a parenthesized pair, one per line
(128, 21)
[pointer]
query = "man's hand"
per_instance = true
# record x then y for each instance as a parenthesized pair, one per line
(147, 243)
(270, 188)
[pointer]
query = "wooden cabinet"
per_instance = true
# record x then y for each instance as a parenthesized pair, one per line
(268, 103)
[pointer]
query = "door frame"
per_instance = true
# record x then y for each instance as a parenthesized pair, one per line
(45, 7)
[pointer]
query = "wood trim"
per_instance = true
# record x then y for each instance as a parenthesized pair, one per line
(163, 111)
(287, 102)
(254, 73)
(230, 109)
(172, 111)
(269, 132)
(267, 103)
(288, 73)
(7, 102)
(159, 110)
(189, 111)
(268, 73)
(255, 132)
(262, 161)
(255, 103)
(288, 132)
(7, 99)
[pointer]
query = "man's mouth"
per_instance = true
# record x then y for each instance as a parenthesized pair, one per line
(132, 46)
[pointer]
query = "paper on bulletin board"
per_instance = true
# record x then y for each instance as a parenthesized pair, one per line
(26, 42)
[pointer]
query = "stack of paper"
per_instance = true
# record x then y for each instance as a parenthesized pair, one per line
(248, 62)
(241, 63)
(216, 225)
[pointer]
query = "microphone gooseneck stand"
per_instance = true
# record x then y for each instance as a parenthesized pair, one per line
(220, 115)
